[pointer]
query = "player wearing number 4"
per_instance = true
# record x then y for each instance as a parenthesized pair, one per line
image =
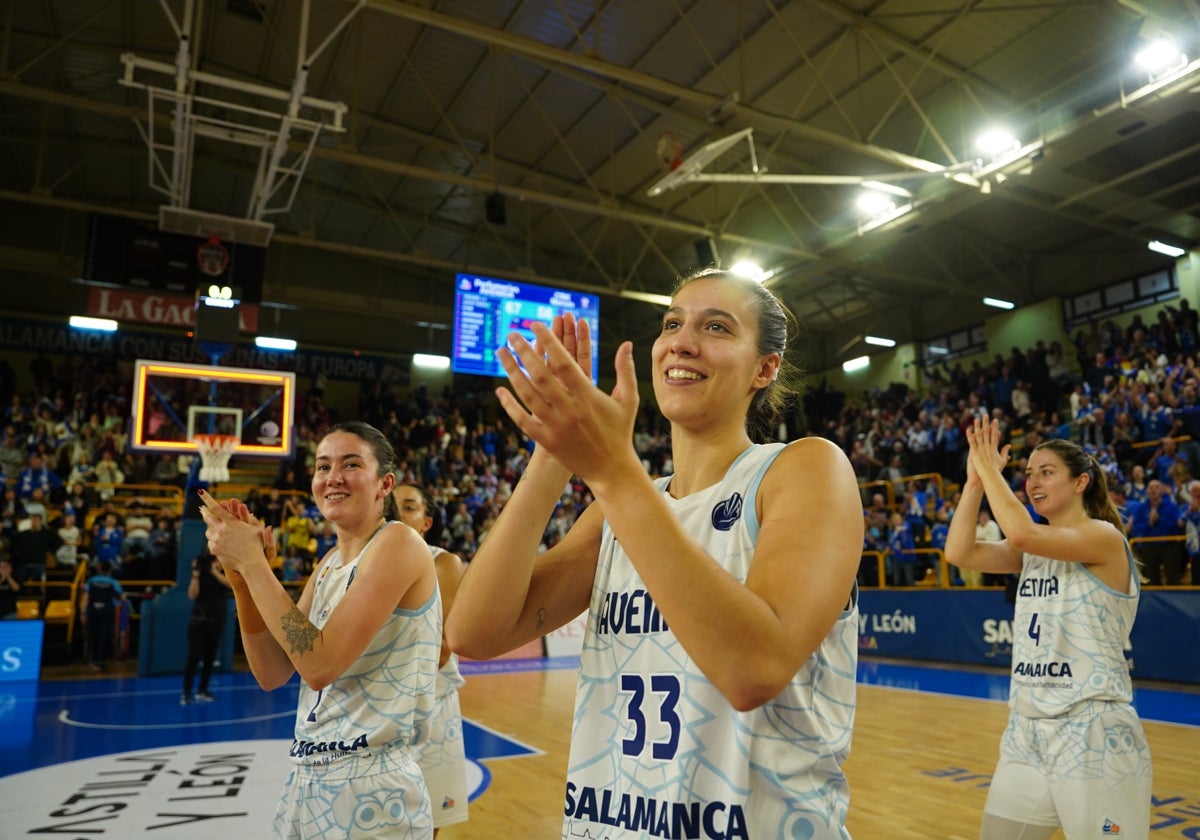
(1073, 754)
(364, 637)
(716, 688)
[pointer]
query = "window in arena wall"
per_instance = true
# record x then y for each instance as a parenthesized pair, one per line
(1124, 296)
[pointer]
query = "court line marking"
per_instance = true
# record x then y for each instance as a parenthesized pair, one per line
(532, 749)
(64, 717)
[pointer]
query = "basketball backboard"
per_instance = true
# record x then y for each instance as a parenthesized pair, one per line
(173, 402)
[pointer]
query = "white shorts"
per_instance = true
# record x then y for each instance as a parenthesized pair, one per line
(443, 761)
(320, 801)
(1089, 773)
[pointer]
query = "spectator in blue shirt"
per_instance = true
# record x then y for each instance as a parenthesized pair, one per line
(37, 475)
(1158, 516)
(107, 540)
(1190, 519)
(901, 553)
(1156, 419)
(1166, 456)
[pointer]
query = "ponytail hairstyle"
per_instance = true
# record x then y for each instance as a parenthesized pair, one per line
(774, 327)
(381, 448)
(1096, 501)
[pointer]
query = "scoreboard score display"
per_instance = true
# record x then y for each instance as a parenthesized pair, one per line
(487, 309)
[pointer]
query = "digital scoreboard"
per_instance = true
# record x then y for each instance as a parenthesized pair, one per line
(486, 310)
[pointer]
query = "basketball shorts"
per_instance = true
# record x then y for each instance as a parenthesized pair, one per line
(1088, 773)
(443, 761)
(324, 801)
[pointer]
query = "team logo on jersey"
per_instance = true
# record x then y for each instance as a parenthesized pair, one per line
(727, 512)
(1110, 828)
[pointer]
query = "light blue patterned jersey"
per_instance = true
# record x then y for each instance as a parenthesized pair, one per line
(449, 677)
(1069, 635)
(441, 753)
(657, 750)
(384, 698)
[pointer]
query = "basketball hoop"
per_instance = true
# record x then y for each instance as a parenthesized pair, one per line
(215, 451)
(669, 150)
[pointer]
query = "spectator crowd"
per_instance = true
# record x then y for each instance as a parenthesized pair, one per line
(1130, 395)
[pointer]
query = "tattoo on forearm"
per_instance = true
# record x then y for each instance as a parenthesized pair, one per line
(299, 631)
(541, 617)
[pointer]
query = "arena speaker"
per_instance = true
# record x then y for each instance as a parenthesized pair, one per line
(495, 209)
(706, 252)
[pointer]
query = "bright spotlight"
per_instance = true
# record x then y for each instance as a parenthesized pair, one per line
(1158, 55)
(872, 203)
(748, 269)
(996, 141)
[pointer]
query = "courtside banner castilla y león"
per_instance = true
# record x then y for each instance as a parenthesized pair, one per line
(975, 626)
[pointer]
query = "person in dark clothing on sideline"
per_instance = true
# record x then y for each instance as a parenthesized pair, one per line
(209, 591)
(102, 594)
(9, 587)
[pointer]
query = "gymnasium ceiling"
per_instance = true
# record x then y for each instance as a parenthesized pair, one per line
(563, 107)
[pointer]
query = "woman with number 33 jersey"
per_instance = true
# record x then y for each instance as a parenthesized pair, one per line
(716, 687)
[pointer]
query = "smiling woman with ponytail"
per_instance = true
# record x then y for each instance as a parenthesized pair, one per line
(364, 636)
(1073, 754)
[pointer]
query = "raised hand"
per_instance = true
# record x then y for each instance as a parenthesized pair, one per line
(234, 536)
(576, 338)
(557, 405)
(986, 453)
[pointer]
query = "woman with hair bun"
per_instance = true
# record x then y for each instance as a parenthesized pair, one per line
(1073, 753)
(364, 636)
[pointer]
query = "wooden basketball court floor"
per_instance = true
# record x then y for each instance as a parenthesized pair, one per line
(122, 758)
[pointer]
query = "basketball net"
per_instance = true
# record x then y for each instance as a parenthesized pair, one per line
(215, 451)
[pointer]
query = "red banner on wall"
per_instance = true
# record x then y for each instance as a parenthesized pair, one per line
(161, 310)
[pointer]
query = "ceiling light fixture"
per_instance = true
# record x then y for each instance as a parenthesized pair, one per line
(431, 362)
(880, 342)
(268, 343)
(1164, 248)
(999, 304)
(851, 365)
(82, 322)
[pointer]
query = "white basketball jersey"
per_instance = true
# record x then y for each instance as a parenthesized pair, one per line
(657, 750)
(441, 754)
(449, 678)
(386, 695)
(1069, 635)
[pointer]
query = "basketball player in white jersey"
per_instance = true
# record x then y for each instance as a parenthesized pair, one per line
(1073, 754)
(441, 756)
(716, 690)
(364, 637)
